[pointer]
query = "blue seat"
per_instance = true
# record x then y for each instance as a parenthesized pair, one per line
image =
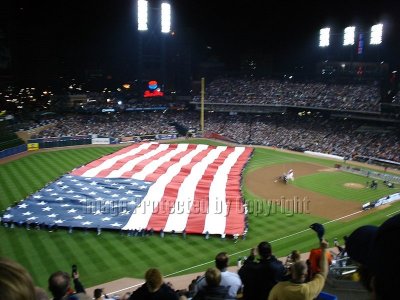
(326, 296)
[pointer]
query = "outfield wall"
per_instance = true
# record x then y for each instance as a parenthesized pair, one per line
(12, 151)
(324, 155)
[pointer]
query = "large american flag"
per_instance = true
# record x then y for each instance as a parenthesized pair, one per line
(151, 186)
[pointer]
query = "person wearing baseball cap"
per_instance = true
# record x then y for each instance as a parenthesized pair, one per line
(376, 250)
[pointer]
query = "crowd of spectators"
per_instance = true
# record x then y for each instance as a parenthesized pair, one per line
(110, 125)
(262, 275)
(358, 97)
(314, 132)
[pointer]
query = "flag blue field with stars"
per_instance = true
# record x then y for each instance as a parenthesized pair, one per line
(76, 201)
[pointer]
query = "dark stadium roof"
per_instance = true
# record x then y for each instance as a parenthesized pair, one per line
(92, 33)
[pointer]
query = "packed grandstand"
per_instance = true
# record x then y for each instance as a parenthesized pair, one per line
(338, 119)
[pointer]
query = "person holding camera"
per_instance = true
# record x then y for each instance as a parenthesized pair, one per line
(258, 277)
(60, 286)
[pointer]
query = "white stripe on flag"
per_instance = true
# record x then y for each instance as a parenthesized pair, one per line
(152, 166)
(142, 214)
(180, 212)
(215, 222)
(110, 162)
(132, 163)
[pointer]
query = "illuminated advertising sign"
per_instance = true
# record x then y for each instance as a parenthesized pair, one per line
(153, 90)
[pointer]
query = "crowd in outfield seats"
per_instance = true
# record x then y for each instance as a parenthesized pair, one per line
(360, 97)
(289, 131)
(114, 125)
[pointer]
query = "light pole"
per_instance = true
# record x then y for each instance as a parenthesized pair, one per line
(144, 27)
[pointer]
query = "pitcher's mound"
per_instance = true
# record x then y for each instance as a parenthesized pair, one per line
(353, 185)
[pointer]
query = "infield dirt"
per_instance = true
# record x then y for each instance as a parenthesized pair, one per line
(263, 183)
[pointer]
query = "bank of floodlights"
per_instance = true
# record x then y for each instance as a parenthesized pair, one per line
(324, 34)
(142, 17)
(349, 35)
(165, 17)
(376, 34)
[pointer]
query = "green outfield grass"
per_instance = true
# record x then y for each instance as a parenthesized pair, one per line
(111, 256)
(333, 184)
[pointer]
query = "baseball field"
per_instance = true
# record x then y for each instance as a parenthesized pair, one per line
(277, 212)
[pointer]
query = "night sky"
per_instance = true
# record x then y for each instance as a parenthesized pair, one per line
(78, 34)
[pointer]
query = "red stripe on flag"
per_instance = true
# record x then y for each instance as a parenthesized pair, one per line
(164, 167)
(199, 210)
(235, 220)
(159, 219)
(120, 163)
(139, 167)
(97, 162)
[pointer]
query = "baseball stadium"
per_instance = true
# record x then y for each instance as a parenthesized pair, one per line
(107, 180)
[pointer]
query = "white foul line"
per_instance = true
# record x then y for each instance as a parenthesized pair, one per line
(395, 212)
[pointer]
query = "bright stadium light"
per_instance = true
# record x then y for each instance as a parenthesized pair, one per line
(324, 37)
(349, 35)
(165, 17)
(376, 34)
(142, 15)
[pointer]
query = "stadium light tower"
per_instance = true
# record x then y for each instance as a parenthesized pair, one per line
(376, 34)
(165, 17)
(142, 15)
(324, 36)
(154, 26)
(349, 36)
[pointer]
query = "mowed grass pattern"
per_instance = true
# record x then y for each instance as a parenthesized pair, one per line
(333, 184)
(111, 255)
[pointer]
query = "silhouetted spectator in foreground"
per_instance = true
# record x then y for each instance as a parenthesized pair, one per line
(60, 286)
(376, 250)
(259, 277)
(15, 282)
(154, 288)
(297, 287)
(213, 289)
(315, 253)
(228, 279)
